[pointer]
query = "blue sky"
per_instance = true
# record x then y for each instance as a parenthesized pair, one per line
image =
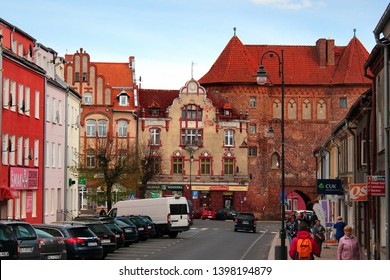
(168, 36)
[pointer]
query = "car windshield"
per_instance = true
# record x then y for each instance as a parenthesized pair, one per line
(246, 216)
(5, 233)
(43, 234)
(121, 224)
(99, 229)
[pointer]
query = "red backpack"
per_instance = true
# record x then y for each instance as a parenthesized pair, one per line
(304, 249)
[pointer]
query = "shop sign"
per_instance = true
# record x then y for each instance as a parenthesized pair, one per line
(358, 192)
(329, 186)
(175, 187)
(220, 188)
(376, 185)
(23, 178)
(153, 187)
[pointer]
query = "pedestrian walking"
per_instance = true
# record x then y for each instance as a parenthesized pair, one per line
(348, 248)
(291, 228)
(339, 226)
(303, 246)
(319, 234)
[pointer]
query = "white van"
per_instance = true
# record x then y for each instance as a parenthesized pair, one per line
(170, 214)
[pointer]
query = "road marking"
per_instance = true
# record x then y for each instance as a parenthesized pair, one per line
(250, 247)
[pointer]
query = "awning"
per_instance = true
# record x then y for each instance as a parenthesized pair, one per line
(8, 193)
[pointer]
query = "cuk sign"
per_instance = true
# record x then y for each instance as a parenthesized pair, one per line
(329, 186)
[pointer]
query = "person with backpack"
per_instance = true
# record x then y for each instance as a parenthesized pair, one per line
(304, 246)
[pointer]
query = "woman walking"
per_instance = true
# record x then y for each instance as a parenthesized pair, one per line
(319, 234)
(349, 248)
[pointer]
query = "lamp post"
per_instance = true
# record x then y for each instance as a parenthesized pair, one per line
(191, 149)
(261, 80)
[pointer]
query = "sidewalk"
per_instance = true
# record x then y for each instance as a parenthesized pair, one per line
(329, 250)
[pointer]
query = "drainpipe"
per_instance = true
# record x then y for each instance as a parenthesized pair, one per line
(65, 165)
(353, 167)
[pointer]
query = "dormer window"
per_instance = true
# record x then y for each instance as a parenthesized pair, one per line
(123, 98)
(227, 112)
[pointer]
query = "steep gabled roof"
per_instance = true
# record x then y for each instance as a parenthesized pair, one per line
(148, 98)
(238, 63)
(350, 68)
(115, 73)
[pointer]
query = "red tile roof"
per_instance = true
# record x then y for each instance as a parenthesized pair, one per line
(115, 73)
(238, 63)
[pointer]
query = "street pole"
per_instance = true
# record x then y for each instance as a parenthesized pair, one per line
(261, 80)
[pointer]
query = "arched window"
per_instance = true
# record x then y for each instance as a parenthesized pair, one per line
(306, 110)
(275, 161)
(277, 109)
(91, 128)
(102, 128)
(321, 110)
(292, 110)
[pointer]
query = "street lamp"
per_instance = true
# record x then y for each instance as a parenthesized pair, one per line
(261, 80)
(191, 149)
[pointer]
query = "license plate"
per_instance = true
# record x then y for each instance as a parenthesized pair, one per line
(140, 229)
(117, 235)
(128, 230)
(53, 257)
(92, 244)
(26, 250)
(245, 223)
(106, 241)
(4, 254)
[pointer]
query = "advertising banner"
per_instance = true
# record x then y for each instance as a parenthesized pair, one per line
(358, 192)
(23, 178)
(376, 185)
(329, 186)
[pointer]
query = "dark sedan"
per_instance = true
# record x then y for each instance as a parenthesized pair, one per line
(225, 214)
(51, 248)
(9, 246)
(80, 242)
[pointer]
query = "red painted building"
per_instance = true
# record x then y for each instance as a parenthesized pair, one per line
(321, 83)
(22, 127)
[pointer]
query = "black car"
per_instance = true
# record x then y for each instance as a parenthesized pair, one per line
(132, 232)
(129, 230)
(245, 221)
(80, 242)
(106, 236)
(142, 227)
(27, 239)
(9, 246)
(225, 214)
(151, 226)
(51, 248)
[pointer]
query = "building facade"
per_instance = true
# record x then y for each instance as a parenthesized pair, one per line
(321, 82)
(22, 121)
(199, 141)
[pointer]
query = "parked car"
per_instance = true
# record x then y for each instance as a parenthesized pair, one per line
(204, 213)
(142, 227)
(106, 236)
(225, 214)
(129, 231)
(27, 239)
(133, 231)
(9, 246)
(151, 226)
(80, 242)
(51, 248)
(245, 221)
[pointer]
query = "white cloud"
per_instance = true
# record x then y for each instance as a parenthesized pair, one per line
(291, 4)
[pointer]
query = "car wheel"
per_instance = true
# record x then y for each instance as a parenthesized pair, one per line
(235, 229)
(254, 231)
(173, 234)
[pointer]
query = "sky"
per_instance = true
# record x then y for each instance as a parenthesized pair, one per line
(176, 40)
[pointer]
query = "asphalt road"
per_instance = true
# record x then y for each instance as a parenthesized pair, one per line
(206, 240)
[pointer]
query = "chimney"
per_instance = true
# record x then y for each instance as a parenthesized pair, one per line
(330, 51)
(321, 51)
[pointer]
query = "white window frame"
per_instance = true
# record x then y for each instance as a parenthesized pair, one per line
(102, 128)
(53, 155)
(26, 151)
(4, 150)
(229, 138)
(36, 153)
(6, 93)
(20, 151)
(36, 102)
(27, 101)
(91, 128)
(123, 100)
(252, 102)
(122, 128)
(88, 98)
(155, 136)
(20, 98)
(59, 159)
(13, 96)
(12, 151)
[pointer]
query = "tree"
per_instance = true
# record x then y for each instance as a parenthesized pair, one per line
(109, 162)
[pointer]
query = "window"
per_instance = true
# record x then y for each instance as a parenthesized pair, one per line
(228, 166)
(59, 111)
(252, 151)
(53, 154)
(5, 93)
(21, 99)
(177, 165)
(20, 151)
(205, 166)
(85, 77)
(88, 98)
(91, 159)
(12, 150)
(47, 154)
(123, 100)
(122, 128)
(229, 138)
(252, 129)
(27, 154)
(36, 152)
(37, 96)
(12, 101)
(343, 102)
(252, 102)
(91, 128)
(27, 101)
(154, 111)
(5, 150)
(77, 77)
(155, 136)
(54, 111)
(102, 128)
(275, 161)
(192, 112)
(59, 159)
(191, 137)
